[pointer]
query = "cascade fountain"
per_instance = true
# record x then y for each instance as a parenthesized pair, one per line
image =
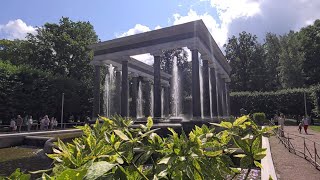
(201, 88)
(109, 85)
(139, 101)
(175, 94)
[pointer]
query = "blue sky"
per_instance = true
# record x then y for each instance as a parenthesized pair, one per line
(108, 17)
(114, 18)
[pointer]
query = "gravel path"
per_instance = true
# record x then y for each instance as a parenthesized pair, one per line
(290, 166)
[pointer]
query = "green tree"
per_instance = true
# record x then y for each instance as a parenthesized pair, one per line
(246, 57)
(167, 59)
(310, 43)
(272, 49)
(63, 48)
(16, 51)
(291, 60)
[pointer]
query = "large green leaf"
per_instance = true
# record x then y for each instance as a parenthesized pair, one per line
(149, 123)
(260, 154)
(213, 153)
(240, 120)
(242, 144)
(223, 124)
(71, 174)
(98, 169)
(164, 160)
(121, 135)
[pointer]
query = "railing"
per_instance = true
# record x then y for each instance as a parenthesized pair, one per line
(300, 146)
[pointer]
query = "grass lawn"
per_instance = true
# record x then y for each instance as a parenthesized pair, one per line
(315, 128)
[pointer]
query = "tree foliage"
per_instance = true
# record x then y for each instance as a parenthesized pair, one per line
(245, 55)
(36, 71)
(29, 91)
(310, 44)
(63, 48)
(285, 61)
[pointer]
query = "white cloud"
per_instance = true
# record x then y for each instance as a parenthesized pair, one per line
(217, 31)
(255, 16)
(278, 17)
(138, 28)
(16, 29)
(145, 58)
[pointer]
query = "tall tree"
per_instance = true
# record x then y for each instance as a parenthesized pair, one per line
(272, 50)
(246, 57)
(291, 60)
(63, 48)
(310, 43)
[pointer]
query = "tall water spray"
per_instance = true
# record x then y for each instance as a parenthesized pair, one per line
(162, 102)
(139, 101)
(151, 101)
(201, 89)
(109, 86)
(175, 88)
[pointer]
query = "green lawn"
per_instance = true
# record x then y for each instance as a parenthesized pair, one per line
(315, 128)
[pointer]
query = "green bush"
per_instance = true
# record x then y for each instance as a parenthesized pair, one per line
(289, 102)
(259, 118)
(112, 149)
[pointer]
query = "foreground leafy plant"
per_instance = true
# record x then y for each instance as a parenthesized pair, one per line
(112, 149)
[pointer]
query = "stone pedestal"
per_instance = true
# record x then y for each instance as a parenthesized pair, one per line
(147, 98)
(214, 96)
(196, 103)
(220, 94)
(206, 89)
(134, 96)
(124, 89)
(228, 100)
(166, 101)
(117, 98)
(96, 92)
(157, 88)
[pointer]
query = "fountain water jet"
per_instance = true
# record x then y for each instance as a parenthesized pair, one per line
(139, 101)
(151, 101)
(109, 86)
(175, 89)
(162, 102)
(201, 88)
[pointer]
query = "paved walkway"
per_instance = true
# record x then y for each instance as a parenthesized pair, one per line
(290, 166)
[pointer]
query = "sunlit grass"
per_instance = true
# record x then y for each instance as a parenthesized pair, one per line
(315, 128)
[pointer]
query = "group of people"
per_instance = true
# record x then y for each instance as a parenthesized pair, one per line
(44, 122)
(304, 123)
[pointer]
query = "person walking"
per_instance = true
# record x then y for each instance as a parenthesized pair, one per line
(281, 121)
(13, 125)
(305, 122)
(46, 122)
(19, 122)
(29, 123)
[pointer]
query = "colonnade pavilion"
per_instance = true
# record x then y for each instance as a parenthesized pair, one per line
(193, 35)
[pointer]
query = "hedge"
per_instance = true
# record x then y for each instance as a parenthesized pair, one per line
(289, 101)
(28, 91)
